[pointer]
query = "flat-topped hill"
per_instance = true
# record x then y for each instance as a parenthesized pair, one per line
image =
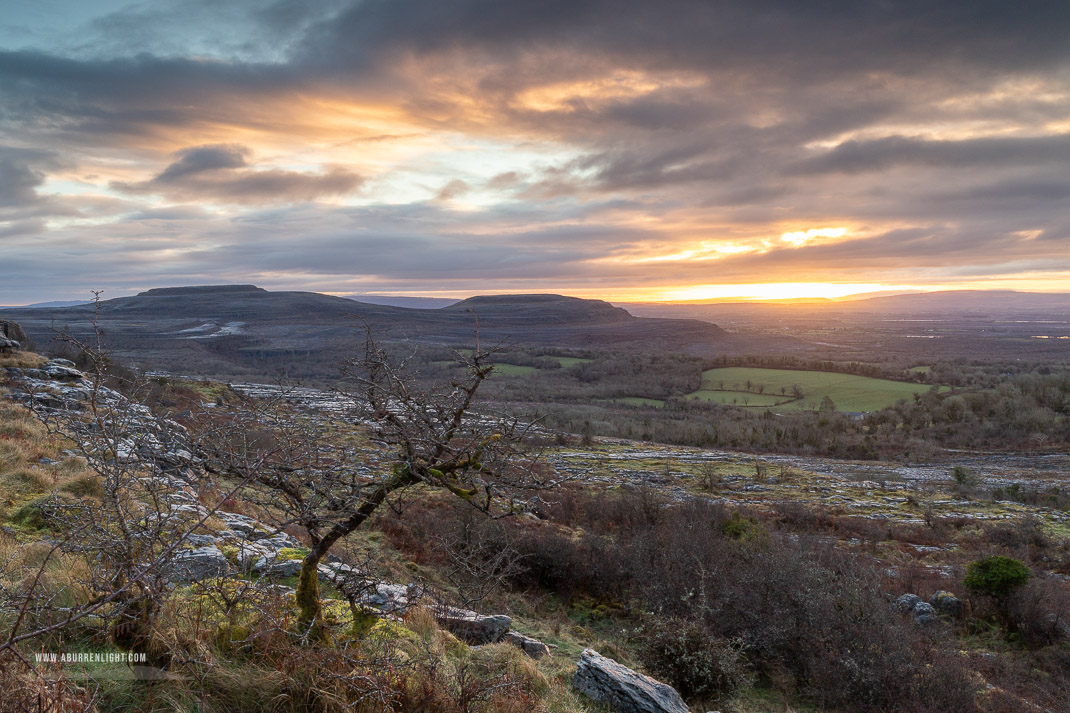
(200, 289)
(169, 327)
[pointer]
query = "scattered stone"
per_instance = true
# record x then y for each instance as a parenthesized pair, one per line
(8, 345)
(472, 628)
(532, 647)
(605, 680)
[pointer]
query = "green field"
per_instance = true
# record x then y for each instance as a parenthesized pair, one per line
(566, 362)
(738, 398)
(513, 370)
(848, 392)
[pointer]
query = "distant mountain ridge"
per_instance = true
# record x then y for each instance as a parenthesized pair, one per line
(257, 328)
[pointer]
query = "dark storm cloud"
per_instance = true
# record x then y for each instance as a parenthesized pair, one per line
(47, 97)
(213, 173)
(789, 37)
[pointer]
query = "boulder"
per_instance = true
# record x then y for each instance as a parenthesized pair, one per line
(924, 613)
(605, 680)
(8, 345)
(905, 603)
(473, 628)
(198, 564)
(13, 331)
(532, 647)
(946, 603)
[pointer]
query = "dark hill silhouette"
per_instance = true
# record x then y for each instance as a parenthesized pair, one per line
(210, 329)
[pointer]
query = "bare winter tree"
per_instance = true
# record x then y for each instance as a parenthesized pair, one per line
(435, 442)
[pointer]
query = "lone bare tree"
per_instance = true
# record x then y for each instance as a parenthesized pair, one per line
(434, 440)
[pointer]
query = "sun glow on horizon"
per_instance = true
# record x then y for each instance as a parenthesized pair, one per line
(759, 292)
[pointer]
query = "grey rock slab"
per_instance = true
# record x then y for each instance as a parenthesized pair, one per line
(197, 564)
(388, 598)
(532, 647)
(59, 372)
(607, 681)
(471, 627)
(283, 568)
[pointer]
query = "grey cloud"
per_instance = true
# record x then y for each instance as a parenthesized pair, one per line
(861, 156)
(197, 159)
(18, 182)
(33, 226)
(787, 37)
(219, 173)
(504, 181)
(453, 189)
(22, 172)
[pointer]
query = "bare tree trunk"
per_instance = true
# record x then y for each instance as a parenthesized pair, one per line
(308, 599)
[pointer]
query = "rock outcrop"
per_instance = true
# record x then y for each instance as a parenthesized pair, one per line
(242, 545)
(605, 680)
(198, 564)
(12, 332)
(470, 627)
(919, 610)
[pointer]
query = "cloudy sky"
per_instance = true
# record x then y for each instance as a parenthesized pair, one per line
(617, 148)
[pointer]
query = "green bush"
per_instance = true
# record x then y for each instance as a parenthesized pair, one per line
(996, 576)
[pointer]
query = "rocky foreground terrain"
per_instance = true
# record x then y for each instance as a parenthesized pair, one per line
(920, 522)
(238, 547)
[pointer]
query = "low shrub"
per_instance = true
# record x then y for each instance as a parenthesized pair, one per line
(698, 664)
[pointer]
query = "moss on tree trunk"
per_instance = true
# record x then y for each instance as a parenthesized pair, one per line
(308, 597)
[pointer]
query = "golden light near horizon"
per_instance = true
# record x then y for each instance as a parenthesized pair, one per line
(798, 238)
(759, 292)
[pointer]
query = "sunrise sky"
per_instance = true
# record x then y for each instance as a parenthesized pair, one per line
(621, 149)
